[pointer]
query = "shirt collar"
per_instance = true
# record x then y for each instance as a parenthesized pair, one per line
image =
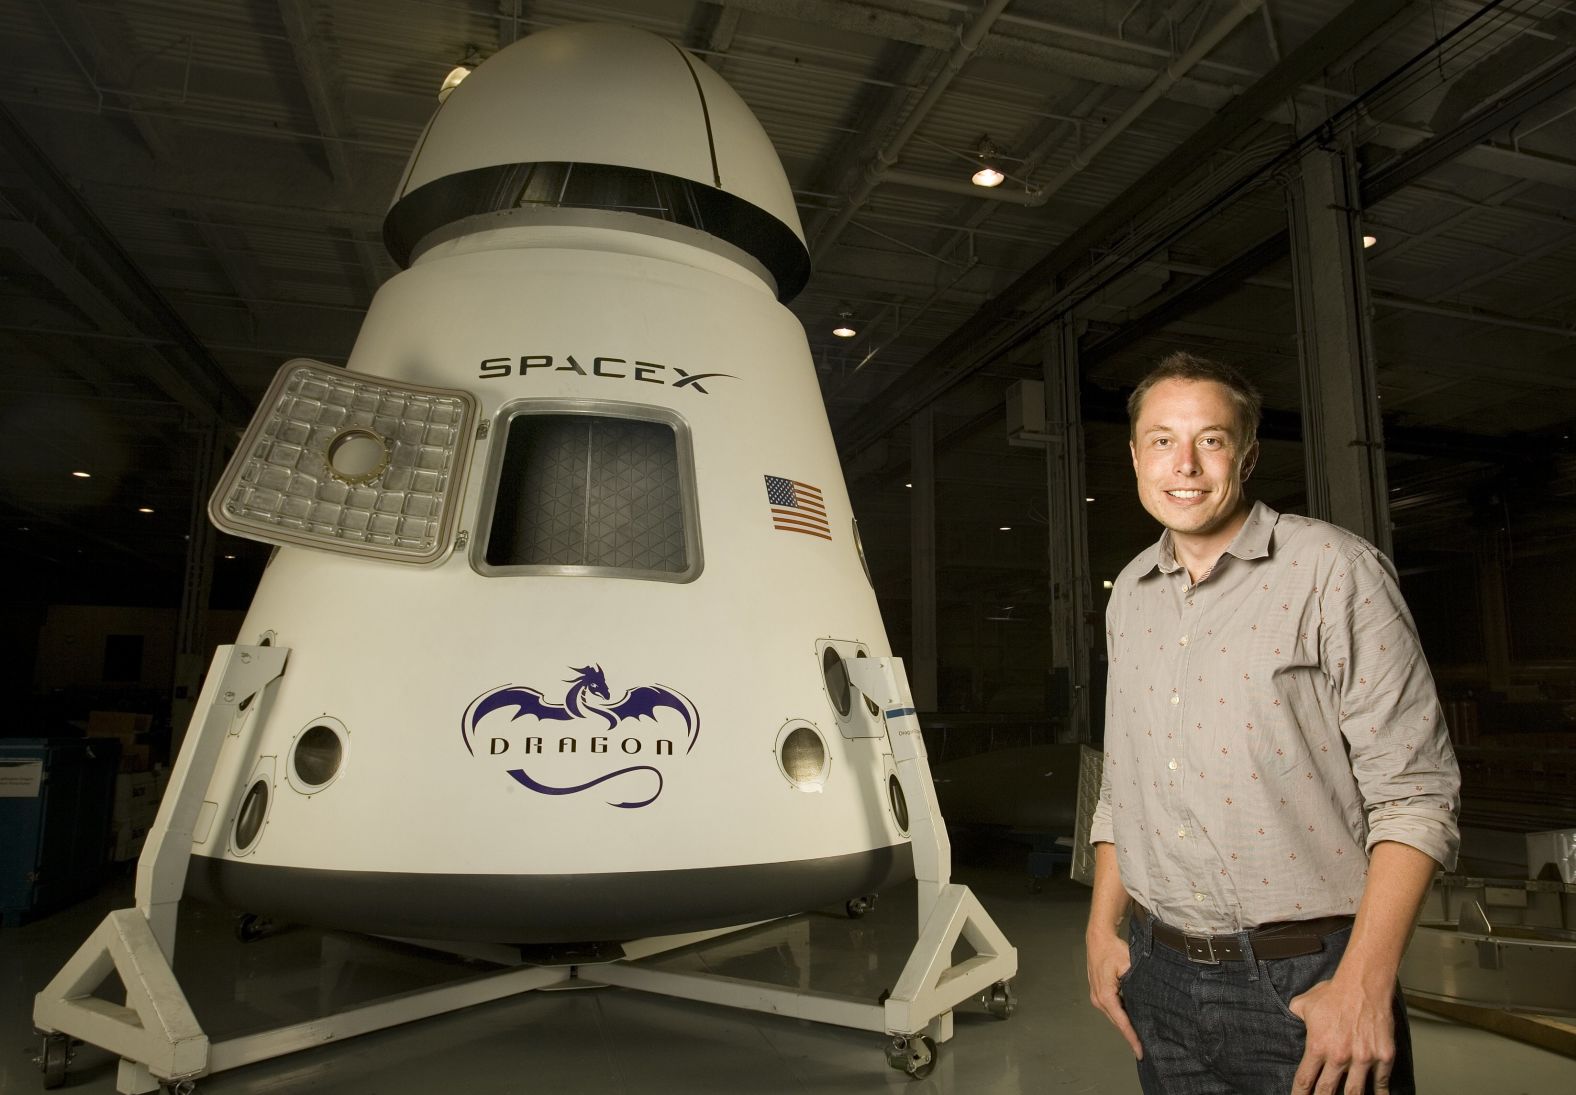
(1251, 542)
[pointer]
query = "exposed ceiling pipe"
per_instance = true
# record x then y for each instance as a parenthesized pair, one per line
(968, 42)
(1033, 197)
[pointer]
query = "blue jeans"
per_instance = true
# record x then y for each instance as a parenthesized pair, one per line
(1225, 1029)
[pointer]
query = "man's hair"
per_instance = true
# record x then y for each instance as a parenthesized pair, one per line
(1182, 365)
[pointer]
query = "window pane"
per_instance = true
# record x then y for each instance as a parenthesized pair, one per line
(589, 491)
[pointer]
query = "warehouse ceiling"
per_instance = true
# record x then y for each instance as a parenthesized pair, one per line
(191, 194)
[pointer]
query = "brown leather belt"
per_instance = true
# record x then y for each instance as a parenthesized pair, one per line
(1288, 939)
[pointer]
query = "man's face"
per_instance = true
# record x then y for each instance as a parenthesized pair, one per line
(1190, 460)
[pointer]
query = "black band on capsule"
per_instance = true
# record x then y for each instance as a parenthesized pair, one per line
(600, 186)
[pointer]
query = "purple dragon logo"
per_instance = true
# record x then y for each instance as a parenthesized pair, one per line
(569, 736)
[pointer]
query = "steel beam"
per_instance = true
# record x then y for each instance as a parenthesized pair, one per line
(1343, 437)
(198, 380)
(317, 81)
(982, 337)
(1556, 78)
(922, 538)
(1071, 595)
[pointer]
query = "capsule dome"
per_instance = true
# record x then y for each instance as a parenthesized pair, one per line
(600, 118)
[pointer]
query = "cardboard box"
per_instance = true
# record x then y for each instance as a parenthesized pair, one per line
(137, 797)
(135, 758)
(127, 842)
(125, 725)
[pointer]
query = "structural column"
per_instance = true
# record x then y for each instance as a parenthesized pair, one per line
(191, 649)
(922, 537)
(1488, 551)
(1343, 439)
(1071, 596)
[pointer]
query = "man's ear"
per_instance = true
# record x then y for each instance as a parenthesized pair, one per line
(1132, 450)
(1250, 461)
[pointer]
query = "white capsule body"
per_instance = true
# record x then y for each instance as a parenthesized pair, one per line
(424, 830)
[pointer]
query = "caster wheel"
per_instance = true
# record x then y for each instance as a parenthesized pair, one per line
(181, 1087)
(53, 1056)
(914, 1054)
(856, 907)
(999, 1000)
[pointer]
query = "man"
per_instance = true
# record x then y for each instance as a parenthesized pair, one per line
(1279, 784)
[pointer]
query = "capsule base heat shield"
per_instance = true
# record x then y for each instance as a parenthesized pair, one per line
(350, 463)
(557, 908)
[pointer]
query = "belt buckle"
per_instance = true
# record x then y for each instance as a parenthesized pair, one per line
(1200, 949)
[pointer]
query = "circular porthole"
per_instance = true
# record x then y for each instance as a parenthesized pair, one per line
(315, 759)
(801, 754)
(899, 803)
(837, 686)
(356, 456)
(249, 819)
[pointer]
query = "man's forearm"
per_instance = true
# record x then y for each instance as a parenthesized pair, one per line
(1398, 880)
(1108, 907)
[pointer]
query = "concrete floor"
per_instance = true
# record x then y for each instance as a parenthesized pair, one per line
(615, 1040)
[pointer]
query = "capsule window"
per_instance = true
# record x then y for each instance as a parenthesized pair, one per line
(898, 801)
(317, 755)
(249, 820)
(838, 687)
(588, 493)
(801, 754)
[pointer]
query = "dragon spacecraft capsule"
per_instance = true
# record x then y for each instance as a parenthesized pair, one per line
(566, 566)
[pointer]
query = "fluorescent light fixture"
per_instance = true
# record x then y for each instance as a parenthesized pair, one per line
(989, 174)
(845, 327)
(83, 474)
(1369, 241)
(1108, 584)
(1089, 499)
(144, 509)
(1005, 528)
(910, 486)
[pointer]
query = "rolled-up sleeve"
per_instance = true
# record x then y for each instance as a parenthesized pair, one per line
(1399, 746)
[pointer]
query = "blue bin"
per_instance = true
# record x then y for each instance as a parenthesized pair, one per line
(56, 795)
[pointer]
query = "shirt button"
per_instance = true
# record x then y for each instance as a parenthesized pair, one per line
(1172, 765)
(1175, 699)
(1198, 897)
(1182, 641)
(1182, 832)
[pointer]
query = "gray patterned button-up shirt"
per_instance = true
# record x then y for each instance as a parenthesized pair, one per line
(1266, 727)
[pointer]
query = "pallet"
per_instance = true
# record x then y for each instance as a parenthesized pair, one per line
(1551, 1032)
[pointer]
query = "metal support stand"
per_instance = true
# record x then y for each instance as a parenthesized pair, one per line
(155, 1033)
(161, 1043)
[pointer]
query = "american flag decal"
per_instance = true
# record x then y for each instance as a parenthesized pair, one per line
(797, 507)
